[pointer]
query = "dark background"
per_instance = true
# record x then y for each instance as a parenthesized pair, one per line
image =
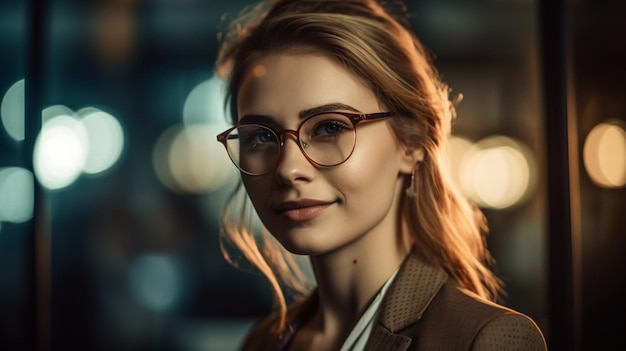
(66, 278)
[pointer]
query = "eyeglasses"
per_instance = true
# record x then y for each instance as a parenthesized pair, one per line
(326, 140)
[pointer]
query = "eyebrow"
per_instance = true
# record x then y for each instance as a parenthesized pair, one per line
(264, 119)
(252, 118)
(335, 106)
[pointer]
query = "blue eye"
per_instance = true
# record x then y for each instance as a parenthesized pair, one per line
(329, 128)
(255, 137)
(262, 137)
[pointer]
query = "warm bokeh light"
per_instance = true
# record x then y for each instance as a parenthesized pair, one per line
(160, 159)
(114, 31)
(105, 137)
(12, 110)
(205, 103)
(189, 159)
(497, 172)
(604, 154)
(457, 149)
(60, 152)
(17, 194)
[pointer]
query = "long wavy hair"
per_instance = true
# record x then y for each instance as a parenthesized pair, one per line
(377, 46)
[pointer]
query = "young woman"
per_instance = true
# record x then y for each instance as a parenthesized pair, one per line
(340, 124)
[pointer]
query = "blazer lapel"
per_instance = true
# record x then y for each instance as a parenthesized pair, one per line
(406, 300)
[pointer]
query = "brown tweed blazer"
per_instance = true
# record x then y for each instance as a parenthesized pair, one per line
(424, 309)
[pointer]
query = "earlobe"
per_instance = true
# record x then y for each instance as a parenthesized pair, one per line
(412, 158)
(418, 155)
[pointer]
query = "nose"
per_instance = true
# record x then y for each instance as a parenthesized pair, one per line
(293, 166)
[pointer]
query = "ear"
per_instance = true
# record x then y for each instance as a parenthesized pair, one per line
(410, 158)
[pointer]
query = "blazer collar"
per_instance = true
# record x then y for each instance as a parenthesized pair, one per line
(412, 290)
(409, 295)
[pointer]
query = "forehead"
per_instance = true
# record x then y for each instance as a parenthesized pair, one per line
(283, 84)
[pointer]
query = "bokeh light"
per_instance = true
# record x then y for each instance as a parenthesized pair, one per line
(205, 103)
(160, 158)
(50, 112)
(16, 195)
(604, 154)
(12, 110)
(69, 144)
(458, 146)
(60, 152)
(188, 159)
(105, 137)
(155, 281)
(497, 172)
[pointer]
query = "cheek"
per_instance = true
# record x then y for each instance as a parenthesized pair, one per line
(371, 173)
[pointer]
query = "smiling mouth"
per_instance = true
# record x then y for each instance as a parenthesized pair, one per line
(302, 212)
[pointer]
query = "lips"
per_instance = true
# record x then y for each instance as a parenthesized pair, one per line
(302, 210)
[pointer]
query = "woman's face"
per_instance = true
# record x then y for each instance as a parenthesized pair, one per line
(311, 209)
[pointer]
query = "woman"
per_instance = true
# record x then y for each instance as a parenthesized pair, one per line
(341, 121)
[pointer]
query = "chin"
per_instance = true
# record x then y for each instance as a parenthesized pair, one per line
(299, 249)
(305, 248)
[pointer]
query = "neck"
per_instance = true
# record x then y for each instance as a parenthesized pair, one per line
(349, 279)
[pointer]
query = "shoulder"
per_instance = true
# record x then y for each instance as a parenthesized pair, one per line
(481, 324)
(264, 335)
(509, 330)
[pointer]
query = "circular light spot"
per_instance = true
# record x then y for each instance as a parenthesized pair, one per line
(160, 158)
(16, 195)
(196, 160)
(154, 279)
(604, 154)
(53, 111)
(106, 139)
(60, 152)
(497, 172)
(205, 103)
(458, 147)
(12, 110)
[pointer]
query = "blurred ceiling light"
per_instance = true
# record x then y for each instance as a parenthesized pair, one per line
(604, 154)
(497, 172)
(105, 137)
(60, 152)
(205, 103)
(16, 195)
(190, 160)
(12, 110)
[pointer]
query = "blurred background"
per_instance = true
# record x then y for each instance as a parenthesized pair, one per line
(112, 183)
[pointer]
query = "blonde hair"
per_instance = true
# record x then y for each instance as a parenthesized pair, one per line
(449, 232)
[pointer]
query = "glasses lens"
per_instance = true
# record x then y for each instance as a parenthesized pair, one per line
(328, 139)
(255, 149)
